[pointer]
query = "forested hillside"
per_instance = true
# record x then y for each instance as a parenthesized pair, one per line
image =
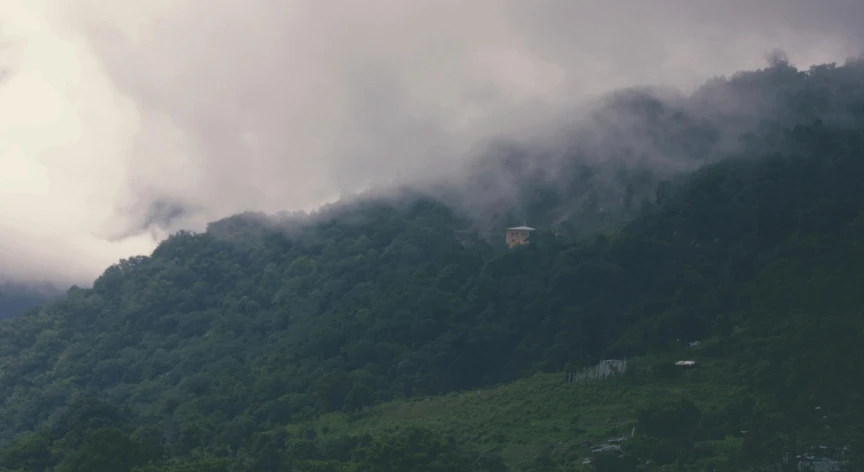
(223, 351)
(609, 162)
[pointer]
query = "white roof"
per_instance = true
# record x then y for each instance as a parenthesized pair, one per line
(520, 228)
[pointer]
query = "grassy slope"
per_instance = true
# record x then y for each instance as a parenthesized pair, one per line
(531, 417)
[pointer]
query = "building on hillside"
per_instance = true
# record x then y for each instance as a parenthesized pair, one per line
(518, 235)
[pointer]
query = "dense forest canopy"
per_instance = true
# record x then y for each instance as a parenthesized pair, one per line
(217, 351)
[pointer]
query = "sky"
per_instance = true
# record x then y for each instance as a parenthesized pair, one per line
(122, 121)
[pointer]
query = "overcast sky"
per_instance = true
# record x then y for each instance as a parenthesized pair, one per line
(109, 107)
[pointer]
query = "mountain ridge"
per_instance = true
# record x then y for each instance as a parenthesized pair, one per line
(206, 354)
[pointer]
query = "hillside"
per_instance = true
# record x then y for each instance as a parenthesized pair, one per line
(543, 422)
(606, 167)
(235, 349)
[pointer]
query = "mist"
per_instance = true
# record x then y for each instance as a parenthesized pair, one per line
(122, 121)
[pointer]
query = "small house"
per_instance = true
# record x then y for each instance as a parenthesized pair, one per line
(518, 235)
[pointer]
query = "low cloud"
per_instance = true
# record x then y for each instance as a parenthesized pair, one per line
(122, 121)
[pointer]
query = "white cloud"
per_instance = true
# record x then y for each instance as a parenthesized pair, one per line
(222, 106)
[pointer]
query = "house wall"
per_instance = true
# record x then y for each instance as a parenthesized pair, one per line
(515, 238)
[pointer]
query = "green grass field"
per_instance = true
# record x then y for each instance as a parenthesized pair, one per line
(544, 415)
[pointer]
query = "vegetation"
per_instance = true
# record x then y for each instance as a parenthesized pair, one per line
(311, 342)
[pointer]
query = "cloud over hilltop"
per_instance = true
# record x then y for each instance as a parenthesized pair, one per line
(119, 120)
